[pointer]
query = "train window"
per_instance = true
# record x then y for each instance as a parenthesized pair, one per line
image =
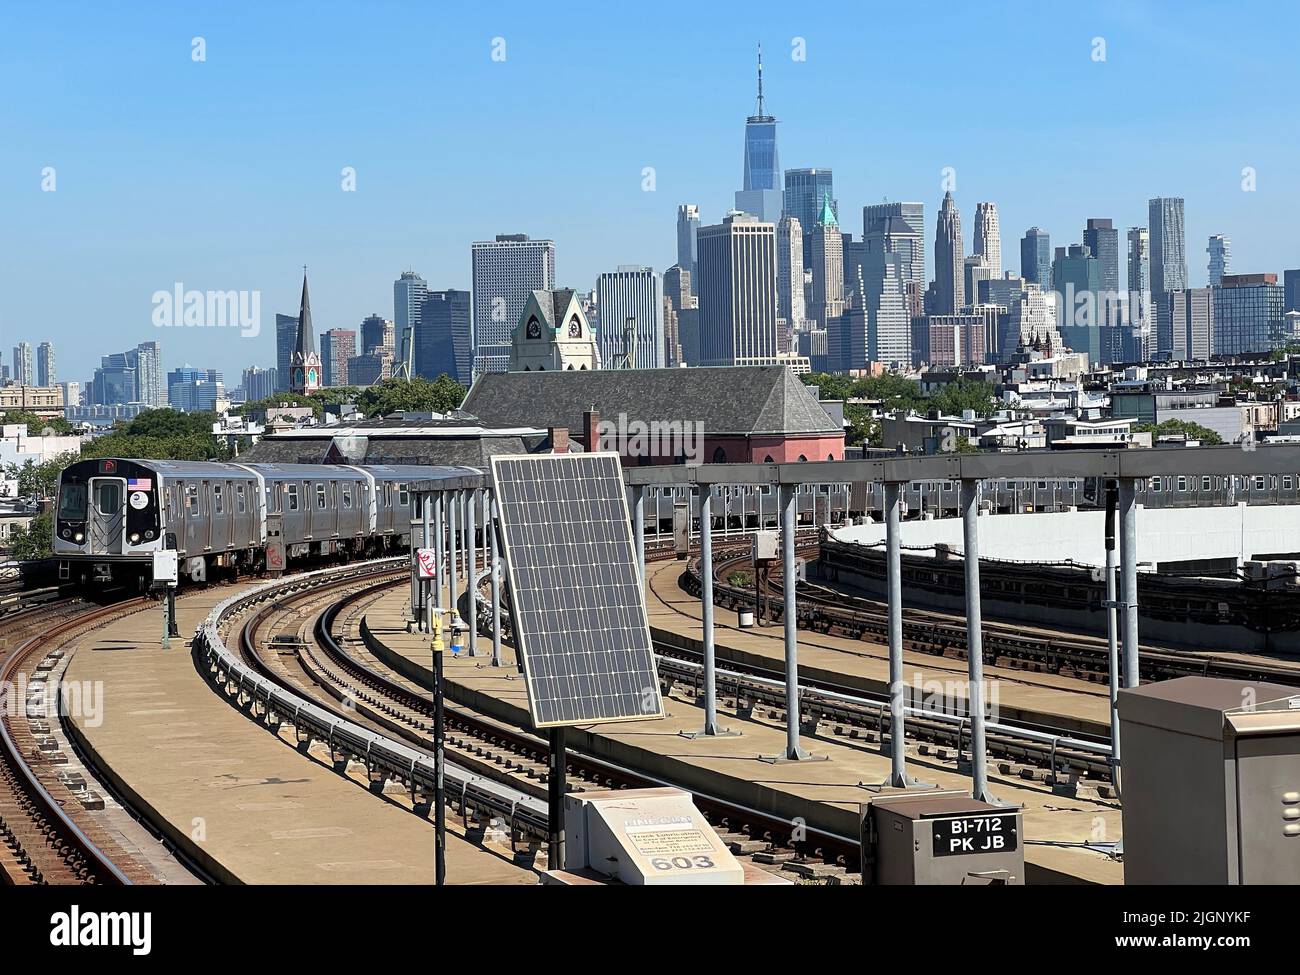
(1205, 483)
(1155, 484)
(72, 501)
(403, 499)
(1259, 482)
(1182, 483)
(1042, 485)
(320, 495)
(1286, 482)
(291, 493)
(191, 497)
(346, 492)
(216, 500)
(240, 504)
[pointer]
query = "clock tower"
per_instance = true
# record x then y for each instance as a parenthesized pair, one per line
(304, 365)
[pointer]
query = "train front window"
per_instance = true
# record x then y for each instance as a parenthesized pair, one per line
(72, 502)
(108, 497)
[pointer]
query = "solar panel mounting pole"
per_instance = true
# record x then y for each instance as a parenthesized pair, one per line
(555, 787)
(970, 492)
(471, 501)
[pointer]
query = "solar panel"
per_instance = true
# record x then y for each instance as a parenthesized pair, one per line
(575, 593)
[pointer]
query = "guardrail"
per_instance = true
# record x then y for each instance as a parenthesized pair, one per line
(383, 757)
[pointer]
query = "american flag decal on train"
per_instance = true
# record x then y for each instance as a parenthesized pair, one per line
(139, 484)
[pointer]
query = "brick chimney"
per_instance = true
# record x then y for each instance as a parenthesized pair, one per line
(559, 440)
(590, 425)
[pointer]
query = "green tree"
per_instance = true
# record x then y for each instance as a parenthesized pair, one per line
(33, 542)
(37, 425)
(417, 395)
(1193, 431)
(184, 447)
(964, 394)
(39, 480)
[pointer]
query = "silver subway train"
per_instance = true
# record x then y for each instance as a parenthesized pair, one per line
(111, 515)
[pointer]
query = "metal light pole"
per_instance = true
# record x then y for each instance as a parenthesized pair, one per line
(1128, 569)
(1112, 630)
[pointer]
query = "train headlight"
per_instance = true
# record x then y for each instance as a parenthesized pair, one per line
(135, 538)
(66, 533)
(149, 533)
(79, 537)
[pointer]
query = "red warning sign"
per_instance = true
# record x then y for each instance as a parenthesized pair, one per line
(426, 560)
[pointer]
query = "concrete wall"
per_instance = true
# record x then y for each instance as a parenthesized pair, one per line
(1164, 534)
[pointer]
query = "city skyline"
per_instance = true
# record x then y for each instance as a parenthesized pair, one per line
(357, 243)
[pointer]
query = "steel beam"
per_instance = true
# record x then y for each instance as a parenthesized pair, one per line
(491, 521)
(638, 528)
(471, 502)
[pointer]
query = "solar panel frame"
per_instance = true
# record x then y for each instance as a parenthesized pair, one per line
(576, 601)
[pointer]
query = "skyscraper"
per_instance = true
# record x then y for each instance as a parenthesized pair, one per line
(683, 343)
(258, 383)
(897, 228)
(190, 390)
(408, 295)
(636, 293)
(505, 272)
(1102, 239)
(286, 339)
(378, 333)
(827, 266)
(988, 240)
(761, 195)
(975, 269)
(24, 367)
(337, 346)
(1248, 314)
(442, 339)
(948, 260)
(737, 292)
(1220, 251)
(1291, 286)
(45, 373)
(1139, 292)
(1036, 258)
(1192, 314)
(789, 272)
(688, 222)
(1168, 244)
(805, 189)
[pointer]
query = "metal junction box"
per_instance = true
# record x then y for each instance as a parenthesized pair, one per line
(944, 838)
(1211, 782)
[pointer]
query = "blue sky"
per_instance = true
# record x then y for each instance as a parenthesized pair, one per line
(226, 174)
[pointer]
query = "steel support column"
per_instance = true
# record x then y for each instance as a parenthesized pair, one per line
(970, 492)
(705, 494)
(638, 528)
(427, 597)
(439, 534)
(453, 555)
(1128, 570)
(898, 777)
(490, 522)
(1112, 630)
(471, 502)
(794, 751)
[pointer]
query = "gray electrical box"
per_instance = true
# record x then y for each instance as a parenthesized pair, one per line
(941, 838)
(1211, 782)
(681, 530)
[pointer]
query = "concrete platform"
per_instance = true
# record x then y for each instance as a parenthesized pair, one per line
(249, 806)
(826, 794)
(1065, 703)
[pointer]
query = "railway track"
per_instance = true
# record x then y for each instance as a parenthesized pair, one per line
(827, 610)
(363, 685)
(45, 838)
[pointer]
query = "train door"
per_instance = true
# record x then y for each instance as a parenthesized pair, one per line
(222, 505)
(107, 515)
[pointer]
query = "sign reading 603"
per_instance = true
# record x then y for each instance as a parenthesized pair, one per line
(681, 863)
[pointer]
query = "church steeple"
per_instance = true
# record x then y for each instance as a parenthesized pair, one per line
(304, 369)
